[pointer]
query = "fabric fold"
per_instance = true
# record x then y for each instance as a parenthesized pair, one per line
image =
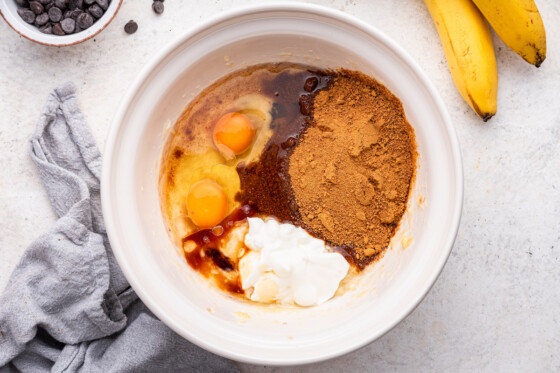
(67, 306)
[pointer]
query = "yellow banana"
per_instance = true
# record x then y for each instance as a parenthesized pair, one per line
(519, 25)
(467, 43)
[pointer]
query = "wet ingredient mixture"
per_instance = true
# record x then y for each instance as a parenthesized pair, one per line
(326, 156)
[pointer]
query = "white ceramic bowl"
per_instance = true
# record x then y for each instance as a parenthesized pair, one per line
(385, 294)
(8, 10)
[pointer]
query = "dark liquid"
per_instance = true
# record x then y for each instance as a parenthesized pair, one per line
(265, 184)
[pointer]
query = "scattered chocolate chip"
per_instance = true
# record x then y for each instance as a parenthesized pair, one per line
(104, 4)
(61, 4)
(158, 7)
(130, 27)
(57, 29)
(36, 7)
(42, 19)
(95, 10)
(46, 29)
(310, 84)
(68, 25)
(55, 15)
(26, 14)
(85, 20)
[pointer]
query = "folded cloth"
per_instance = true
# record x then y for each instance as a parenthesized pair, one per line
(67, 306)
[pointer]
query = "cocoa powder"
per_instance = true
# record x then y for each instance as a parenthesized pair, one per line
(352, 169)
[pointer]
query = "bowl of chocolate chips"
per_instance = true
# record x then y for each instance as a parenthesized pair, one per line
(59, 22)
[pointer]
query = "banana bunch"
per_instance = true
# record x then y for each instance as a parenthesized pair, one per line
(467, 43)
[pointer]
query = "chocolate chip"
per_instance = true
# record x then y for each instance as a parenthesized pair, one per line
(89, 2)
(310, 84)
(95, 10)
(44, 2)
(36, 7)
(130, 27)
(49, 5)
(104, 4)
(68, 25)
(55, 15)
(61, 4)
(42, 19)
(26, 14)
(85, 20)
(68, 14)
(22, 3)
(46, 29)
(76, 13)
(75, 4)
(158, 7)
(57, 29)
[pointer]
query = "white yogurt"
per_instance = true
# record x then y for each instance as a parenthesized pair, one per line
(287, 265)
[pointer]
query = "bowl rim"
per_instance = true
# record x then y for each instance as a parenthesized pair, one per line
(201, 27)
(62, 44)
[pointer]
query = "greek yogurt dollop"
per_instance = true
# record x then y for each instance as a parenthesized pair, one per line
(287, 265)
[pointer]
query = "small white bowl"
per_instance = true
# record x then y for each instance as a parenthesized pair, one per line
(384, 294)
(8, 10)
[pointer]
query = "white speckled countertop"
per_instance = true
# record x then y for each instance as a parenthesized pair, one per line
(496, 306)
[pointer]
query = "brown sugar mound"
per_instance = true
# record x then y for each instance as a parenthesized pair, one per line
(352, 169)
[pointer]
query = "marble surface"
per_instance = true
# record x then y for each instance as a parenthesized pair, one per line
(496, 306)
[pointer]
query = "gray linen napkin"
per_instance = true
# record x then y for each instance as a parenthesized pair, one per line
(67, 306)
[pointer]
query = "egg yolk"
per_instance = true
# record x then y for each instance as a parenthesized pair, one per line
(233, 133)
(206, 203)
